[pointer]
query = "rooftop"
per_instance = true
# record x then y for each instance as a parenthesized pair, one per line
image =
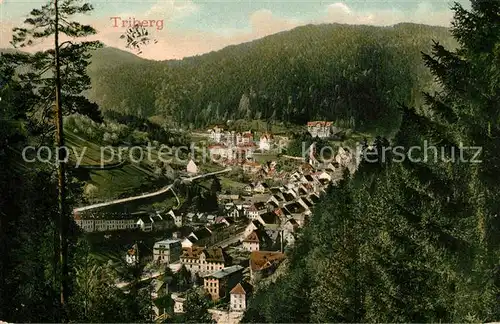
(241, 288)
(167, 242)
(225, 272)
(211, 254)
(253, 237)
(319, 123)
(260, 260)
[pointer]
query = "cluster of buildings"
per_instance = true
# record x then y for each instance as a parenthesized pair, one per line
(229, 146)
(230, 250)
(147, 222)
(322, 129)
(269, 222)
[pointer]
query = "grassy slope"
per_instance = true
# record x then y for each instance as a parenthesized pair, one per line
(126, 180)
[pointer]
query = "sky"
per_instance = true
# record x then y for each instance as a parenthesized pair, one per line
(185, 28)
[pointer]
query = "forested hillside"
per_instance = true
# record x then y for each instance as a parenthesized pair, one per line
(412, 237)
(355, 75)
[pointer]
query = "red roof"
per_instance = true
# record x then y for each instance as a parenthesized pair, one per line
(260, 260)
(216, 146)
(238, 290)
(247, 145)
(253, 237)
(252, 164)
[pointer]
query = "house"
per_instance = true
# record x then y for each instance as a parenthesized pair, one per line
(283, 214)
(176, 216)
(246, 150)
(256, 209)
(179, 300)
(161, 222)
(219, 283)
(278, 200)
(158, 290)
(265, 142)
(251, 167)
(227, 221)
(145, 223)
(219, 152)
(211, 219)
(239, 296)
(252, 242)
(269, 220)
(202, 235)
(244, 138)
(252, 226)
(235, 212)
(132, 256)
(230, 138)
(306, 203)
(260, 187)
(248, 189)
(295, 176)
(264, 263)
(298, 212)
(190, 217)
(288, 197)
(188, 242)
(305, 168)
(192, 168)
(321, 129)
(167, 251)
(201, 260)
(289, 231)
(215, 134)
(291, 225)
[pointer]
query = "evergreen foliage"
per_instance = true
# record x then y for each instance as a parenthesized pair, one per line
(414, 240)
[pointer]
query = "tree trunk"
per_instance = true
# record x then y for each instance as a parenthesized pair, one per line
(61, 167)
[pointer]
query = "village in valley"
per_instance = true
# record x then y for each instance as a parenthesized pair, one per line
(241, 244)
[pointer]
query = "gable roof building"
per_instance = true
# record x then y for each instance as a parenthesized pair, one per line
(263, 263)
(201, 260)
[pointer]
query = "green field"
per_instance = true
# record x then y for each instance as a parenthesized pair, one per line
(128, 179)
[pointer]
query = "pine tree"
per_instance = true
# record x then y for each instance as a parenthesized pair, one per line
(66, 64)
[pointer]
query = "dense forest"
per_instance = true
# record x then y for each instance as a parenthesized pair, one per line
(417, 240)
(354, 75)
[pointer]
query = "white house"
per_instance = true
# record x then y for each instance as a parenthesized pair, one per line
(251, 242)
(216, 134)
(265, 142)
(132, 256)
(192, 168)
(256, 209)
(260, 187)
(179, 300)
(145, 223)
(238, 301)
(320, 129)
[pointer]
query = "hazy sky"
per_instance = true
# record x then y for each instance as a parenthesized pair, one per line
(192, 27)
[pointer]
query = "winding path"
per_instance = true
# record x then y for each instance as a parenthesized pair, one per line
(147, 195)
